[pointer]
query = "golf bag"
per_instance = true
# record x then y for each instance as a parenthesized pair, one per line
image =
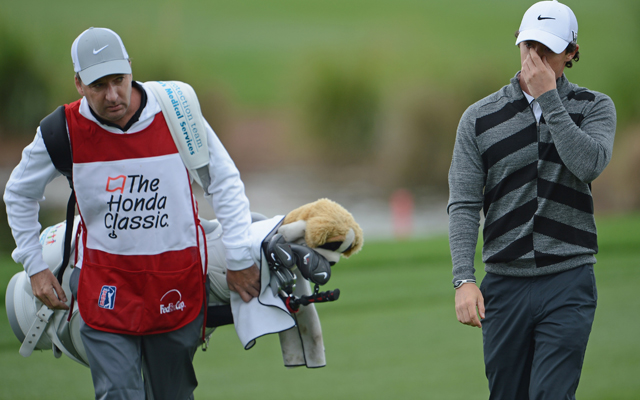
(285, 289)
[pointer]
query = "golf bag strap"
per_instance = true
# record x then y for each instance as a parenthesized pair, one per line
(53, 129)
(68, 232)
(35, 331)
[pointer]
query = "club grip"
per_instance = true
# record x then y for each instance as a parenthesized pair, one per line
(321, 297)
(333, 295)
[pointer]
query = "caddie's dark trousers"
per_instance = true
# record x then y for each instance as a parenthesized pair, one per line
(535, 333)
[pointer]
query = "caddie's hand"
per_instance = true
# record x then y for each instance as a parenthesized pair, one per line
(47, 289)
(537, 74)
(246, 282)
(469, 302)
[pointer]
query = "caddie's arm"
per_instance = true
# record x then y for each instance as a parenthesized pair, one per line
(231, 206)
(24, 190)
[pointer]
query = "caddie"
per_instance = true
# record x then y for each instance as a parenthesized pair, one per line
(141, 290)
(526, 156)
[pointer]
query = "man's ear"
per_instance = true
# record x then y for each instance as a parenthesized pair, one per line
(572, 54)
(79, 85)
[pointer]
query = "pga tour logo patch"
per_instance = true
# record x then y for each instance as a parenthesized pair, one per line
(107, 298)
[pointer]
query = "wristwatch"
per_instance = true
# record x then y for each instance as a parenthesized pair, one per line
(461, 282)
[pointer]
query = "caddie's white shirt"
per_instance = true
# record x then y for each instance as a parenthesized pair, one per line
(25, 189)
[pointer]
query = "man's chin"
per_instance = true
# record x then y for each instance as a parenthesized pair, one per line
(113, 116)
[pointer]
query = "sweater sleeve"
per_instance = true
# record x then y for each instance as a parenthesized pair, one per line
(585, 150)
(466, 185)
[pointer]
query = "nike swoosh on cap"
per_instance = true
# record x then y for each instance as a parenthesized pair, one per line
(102, 48)
(540, 18)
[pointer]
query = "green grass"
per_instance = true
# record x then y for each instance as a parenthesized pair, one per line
(392, 334)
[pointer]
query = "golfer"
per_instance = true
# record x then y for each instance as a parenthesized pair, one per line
(525, 156)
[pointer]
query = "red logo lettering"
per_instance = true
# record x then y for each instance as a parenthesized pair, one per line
(116, 184)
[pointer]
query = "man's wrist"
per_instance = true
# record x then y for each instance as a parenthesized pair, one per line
(457, 284)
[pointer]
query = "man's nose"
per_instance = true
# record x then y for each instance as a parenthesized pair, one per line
(112, 94)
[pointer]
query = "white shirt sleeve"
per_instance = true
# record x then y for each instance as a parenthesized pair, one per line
(230, 204)
(24, 190)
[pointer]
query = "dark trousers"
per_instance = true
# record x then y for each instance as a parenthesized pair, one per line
(535, 333)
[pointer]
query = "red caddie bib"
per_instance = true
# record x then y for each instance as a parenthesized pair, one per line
(141, 271)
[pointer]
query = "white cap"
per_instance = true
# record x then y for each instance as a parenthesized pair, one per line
(550, 23)
(99, 52)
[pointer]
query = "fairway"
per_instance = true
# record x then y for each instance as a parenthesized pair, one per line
(392, 334)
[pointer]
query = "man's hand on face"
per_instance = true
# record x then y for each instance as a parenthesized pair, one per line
(537, 74)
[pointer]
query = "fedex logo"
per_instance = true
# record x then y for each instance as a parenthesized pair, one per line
(107, 298)
(174, 299)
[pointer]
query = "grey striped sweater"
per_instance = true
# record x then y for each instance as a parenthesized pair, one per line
(531, 180)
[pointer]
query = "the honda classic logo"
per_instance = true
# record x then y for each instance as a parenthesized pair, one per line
(135, 203)
(171, 301)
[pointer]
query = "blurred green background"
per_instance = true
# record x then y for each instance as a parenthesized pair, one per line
(367, 89)
(352, 92)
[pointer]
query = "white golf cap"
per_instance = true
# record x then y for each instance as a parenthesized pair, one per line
(99, 52)
(550, 23)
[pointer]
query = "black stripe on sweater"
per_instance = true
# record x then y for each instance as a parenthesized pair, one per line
(582, 96)
(513, 251)
(512, 182)
(565, 233)
(509, 145)
(494, 119)
(544, 259)
(576, 118)
(548, 152)
(565, 195)
(516, 217)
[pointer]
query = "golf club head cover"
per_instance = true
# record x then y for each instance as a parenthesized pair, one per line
(313, 266)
